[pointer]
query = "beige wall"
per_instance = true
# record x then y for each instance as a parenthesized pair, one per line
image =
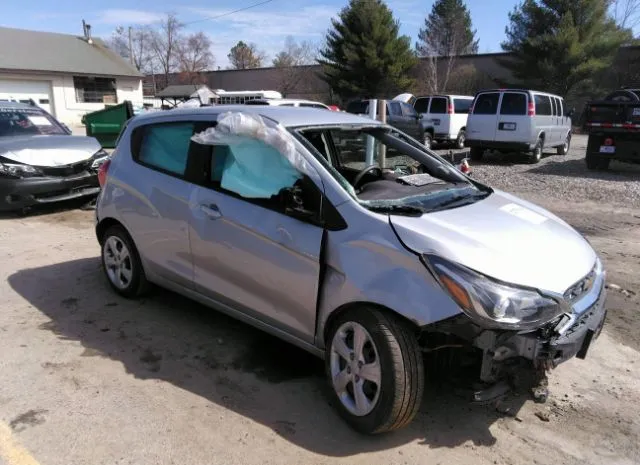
(63, 96)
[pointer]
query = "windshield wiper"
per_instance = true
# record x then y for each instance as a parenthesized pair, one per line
(459, 198)
(397, 209)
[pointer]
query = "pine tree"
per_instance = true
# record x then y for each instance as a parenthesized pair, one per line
(560, 46)
(364, 54)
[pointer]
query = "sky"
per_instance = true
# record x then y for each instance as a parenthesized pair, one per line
(265, 25)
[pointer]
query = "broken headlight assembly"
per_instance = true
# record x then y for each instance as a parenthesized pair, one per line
(99, 158)
(18, 170)
(492, 304)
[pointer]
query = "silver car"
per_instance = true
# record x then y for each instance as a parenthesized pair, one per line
(349, 239)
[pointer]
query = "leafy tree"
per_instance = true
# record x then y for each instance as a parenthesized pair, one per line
(245, 56)
(560, 46)
(447, 33)
(364, 55)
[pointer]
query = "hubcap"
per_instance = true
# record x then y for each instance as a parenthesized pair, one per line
(117, 261)
(460, 141)
(427, 142)
(355, 368)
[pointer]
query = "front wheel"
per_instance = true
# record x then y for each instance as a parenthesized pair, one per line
(375, 370)
(428, 140)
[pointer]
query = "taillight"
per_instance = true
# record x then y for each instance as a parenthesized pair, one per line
(608, 141)
(451, 109)
(532, 109)
(102, 172)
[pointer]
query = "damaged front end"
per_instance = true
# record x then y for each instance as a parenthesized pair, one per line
(514, 359)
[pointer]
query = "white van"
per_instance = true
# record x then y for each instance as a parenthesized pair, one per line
(515, 120)
(444, 117)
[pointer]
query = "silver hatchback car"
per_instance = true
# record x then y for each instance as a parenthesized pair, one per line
(349, 239)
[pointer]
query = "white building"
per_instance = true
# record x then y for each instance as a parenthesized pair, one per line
(66, 75)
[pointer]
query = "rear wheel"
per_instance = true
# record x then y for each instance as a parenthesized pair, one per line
(375, 370)
(460, 140)
(536, 153)
(121, 263)
(564, 148)
(476, 153)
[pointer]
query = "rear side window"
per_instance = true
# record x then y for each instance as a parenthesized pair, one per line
(561, 107)
(513, 103)
(486, 104)
(543, 105)
(164, 146)
(422, 105)
(462, 105)
(438, 105)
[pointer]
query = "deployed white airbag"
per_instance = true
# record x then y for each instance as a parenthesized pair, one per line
(261, 160)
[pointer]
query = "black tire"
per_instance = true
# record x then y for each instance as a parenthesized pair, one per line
(536, 154)
(138, 284)
(603, 164)
(476, 153)
(401, 376)
(428, 140)
(564, 148)
(460, 140)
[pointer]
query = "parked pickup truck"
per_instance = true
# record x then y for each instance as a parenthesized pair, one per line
(613, 125)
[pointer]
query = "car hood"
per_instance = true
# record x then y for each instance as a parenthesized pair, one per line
(505, 238)
(48, 150)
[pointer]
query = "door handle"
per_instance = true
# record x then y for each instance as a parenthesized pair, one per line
(211, 210)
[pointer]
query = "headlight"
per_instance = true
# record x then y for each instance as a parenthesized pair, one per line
(492, 304)
(17, 170)
(99, 158)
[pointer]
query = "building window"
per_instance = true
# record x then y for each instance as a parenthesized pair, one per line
(95, 89)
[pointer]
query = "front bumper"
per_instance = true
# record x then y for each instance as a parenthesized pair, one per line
(16, 194)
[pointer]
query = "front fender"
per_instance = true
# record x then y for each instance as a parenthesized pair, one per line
(367, 263)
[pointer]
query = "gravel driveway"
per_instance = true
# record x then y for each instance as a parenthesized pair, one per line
(87, 377)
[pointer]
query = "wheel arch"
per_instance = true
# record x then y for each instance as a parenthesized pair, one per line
(104, 224)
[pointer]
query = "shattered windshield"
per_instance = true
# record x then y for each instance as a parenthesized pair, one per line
(27, 122)
(389, 172)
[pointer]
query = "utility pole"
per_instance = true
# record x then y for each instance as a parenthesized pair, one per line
(131, 47)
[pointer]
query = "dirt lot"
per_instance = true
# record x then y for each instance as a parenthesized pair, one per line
(89, 378)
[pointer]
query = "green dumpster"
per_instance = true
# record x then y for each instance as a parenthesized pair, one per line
(105, 125)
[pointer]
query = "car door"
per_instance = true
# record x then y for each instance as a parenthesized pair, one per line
(412, 120)
(438, 116)
(543, 119)
(394, 116)
(482, 123)
(513, 122)
(154, 205)
(421, 106)
(250, 251)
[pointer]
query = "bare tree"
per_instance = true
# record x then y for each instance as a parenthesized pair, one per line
(447, 33)
(626, 13)
(137, 50)
(164, 43)
(245, 56)
(293, 62)
(194, 55)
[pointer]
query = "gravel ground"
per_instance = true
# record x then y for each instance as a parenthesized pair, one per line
(563, 177)
(87, 377)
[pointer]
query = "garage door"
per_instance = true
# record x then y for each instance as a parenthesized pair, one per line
(39, 91)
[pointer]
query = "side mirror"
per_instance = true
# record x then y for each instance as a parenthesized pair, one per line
(294, 206)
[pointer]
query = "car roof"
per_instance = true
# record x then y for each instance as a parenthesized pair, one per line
(518, 90)
(18, 105)
(445, 95)
(286, 116)
(278, 101)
